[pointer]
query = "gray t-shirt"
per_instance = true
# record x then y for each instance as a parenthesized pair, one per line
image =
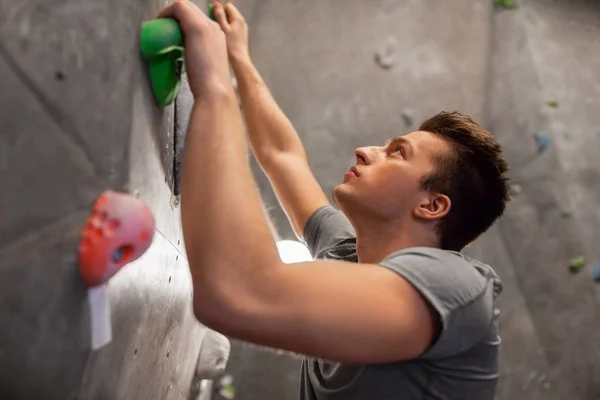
(462, 363)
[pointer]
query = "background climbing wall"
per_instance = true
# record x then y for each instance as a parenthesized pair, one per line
(502, 67)
(76, 118)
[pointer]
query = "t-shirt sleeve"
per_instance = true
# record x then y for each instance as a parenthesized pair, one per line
(462, 297)
(329, 234)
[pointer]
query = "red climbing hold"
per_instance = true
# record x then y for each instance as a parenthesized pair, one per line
(118, 231)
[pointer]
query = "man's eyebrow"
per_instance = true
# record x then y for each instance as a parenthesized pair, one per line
(396, 139)
(400, 139)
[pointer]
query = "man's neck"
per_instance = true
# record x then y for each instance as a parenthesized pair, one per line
(374, 243)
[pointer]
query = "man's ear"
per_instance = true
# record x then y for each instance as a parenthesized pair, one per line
(433, 206)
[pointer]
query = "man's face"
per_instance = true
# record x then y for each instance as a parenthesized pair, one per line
(385, 182)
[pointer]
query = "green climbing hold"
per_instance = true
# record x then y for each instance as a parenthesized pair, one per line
(225, 386)
(553, 103)
(577, 264)
(566, 212)
(505, 3)
(161, 45)
(211, 12)
(227, 392)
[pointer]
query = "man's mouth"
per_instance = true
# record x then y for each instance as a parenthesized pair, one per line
(352, 173)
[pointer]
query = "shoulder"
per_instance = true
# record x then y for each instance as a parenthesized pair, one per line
(432, 264)
(461, 290)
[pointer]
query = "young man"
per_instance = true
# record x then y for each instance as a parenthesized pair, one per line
(389, 302)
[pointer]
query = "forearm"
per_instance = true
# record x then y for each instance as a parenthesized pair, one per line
(269, 130)
(225, 228)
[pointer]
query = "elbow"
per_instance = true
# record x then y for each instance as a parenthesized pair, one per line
(208, 293)
(205, 315)
(208, 305)
(223, 303)
(216, 305)
(219, 315)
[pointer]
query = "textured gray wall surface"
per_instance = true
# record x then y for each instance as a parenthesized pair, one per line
(77, 118)
(546, 50)
(501, 67)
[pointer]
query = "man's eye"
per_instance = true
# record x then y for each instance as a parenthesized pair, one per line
(399, 150)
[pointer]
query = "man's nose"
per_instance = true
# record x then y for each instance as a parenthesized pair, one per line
(363, 155)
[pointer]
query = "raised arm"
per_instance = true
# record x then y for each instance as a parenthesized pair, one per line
(275, 143)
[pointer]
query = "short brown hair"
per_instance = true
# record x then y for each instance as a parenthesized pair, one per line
(473, 175)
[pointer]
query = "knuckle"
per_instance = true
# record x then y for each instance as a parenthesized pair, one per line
(178, 6)
(181, 9)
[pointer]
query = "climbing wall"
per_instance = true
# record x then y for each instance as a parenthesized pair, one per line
(77, 118)
(545, 69)
(504, 67)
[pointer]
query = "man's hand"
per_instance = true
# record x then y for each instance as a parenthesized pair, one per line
(234, 25)
(205, 49)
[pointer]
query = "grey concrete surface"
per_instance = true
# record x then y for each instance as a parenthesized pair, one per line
(40, 305)
(501, 67)
(546, 50)
(77, 117)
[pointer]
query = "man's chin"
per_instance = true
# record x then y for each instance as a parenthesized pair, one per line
(335, 195)
(341, 195)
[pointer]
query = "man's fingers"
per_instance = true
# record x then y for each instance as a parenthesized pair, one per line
(232, 12)
(174, 10)
(220, 15)
(184, 11)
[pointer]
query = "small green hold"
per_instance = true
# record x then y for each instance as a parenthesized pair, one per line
(577, 264)
(227, 392)
(211, 12)
(505, 3)
(566, 212)
(553, 103)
